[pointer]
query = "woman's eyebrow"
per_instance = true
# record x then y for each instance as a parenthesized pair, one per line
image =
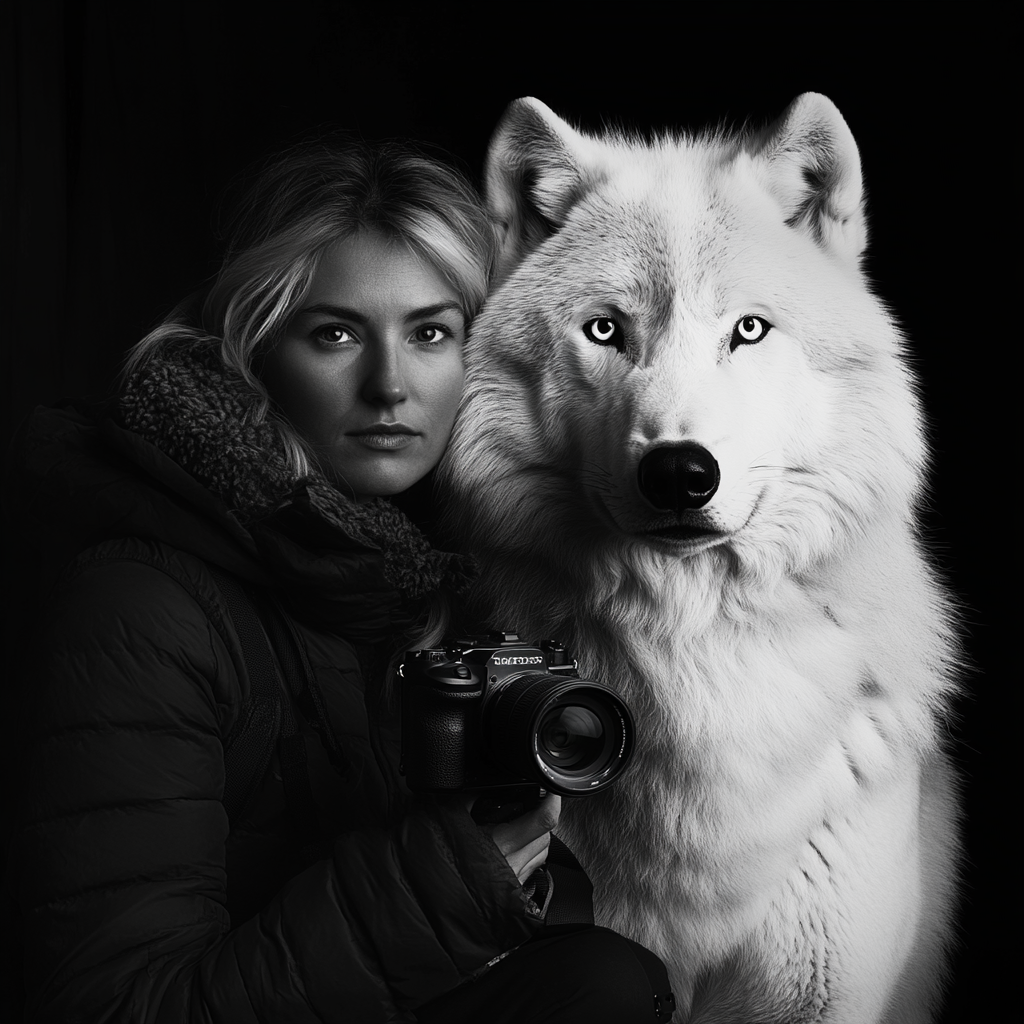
(426, 312)
(353, 315)
(337, 312)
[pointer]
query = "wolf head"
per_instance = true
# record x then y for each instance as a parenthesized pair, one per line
(681, 366)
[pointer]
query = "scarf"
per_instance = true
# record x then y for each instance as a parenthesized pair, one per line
(205, 417)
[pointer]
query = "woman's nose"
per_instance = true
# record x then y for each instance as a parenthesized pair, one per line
(385, 382)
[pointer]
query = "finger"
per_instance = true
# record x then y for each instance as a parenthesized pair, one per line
(549, 810)
(519, 834)
(526, 860)
(521, 831)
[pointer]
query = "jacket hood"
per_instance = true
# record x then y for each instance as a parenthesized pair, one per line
(182, 460)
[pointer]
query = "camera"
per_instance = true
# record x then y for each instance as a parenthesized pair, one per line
(488, 711)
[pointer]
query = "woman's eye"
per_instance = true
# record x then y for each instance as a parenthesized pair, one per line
(432, 334)
(604, 331)
(749, 331)
(333, 334)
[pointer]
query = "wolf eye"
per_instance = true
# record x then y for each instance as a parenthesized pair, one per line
(749, 331)
(604, 331)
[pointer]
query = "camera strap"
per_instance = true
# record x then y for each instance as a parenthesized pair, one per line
(572, 908)
(572, 899)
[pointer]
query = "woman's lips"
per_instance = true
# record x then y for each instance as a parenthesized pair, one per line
(385, 436)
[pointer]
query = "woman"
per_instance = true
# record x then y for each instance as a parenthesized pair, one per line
(259, 435)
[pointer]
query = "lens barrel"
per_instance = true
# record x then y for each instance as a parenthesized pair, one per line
(571, 735)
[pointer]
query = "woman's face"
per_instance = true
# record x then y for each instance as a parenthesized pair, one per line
(369, 369)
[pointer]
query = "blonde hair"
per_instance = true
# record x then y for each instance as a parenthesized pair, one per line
(295, 208)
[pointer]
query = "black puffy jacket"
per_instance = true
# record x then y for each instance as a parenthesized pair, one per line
(139, 902)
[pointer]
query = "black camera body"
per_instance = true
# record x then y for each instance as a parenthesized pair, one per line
(489, 711)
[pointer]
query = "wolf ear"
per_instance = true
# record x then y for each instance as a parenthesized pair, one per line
(809, 161)
(535, 175)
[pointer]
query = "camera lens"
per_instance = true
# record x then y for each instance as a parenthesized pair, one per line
(569, 735)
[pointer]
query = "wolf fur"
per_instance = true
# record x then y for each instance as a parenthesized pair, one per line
(786, 838)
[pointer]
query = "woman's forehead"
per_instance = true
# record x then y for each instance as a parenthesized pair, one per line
(369, 272)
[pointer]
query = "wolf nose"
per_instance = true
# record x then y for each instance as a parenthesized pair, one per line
(683, 476)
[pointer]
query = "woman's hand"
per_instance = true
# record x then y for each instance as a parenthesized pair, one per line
(524, 841)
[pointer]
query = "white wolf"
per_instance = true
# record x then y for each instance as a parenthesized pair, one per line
(690, 448)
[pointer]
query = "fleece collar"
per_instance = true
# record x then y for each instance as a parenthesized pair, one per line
(201, 414)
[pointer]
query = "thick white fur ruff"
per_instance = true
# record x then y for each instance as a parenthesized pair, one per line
(786, 837)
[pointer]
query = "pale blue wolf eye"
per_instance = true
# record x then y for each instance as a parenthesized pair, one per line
(603, 330)
(749, 331)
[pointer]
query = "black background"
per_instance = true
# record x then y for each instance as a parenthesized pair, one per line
(122, 124)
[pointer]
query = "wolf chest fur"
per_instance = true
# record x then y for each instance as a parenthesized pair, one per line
(691, 448)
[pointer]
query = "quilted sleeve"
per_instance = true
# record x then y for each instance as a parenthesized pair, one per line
(119, 857)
